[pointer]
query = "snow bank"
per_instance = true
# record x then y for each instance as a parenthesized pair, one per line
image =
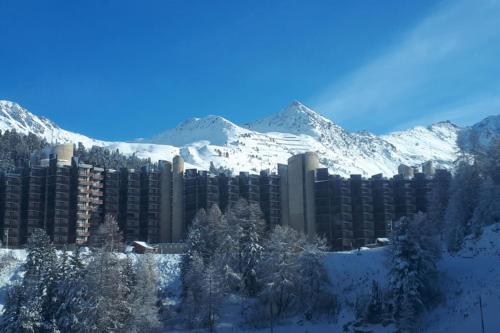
(473, 272)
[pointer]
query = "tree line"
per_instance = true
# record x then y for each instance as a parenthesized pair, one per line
(101, 290)
(16, 150)
(277, 274)
(459, 207)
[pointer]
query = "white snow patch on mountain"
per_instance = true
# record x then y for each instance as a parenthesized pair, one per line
(265, 143)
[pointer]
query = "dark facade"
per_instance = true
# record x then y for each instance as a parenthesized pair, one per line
(383, 205)
(249, 187)
(362, 211)
(404, 197)
(131, 203)
(59, 222)
(111, 193)
(270, 198)
(157, 204)
(229, 191)
(37, 181)
(333, 210)
(150, 205)
(14, 199)
(201, 191)
(421, 187)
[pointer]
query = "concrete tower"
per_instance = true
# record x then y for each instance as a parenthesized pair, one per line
(301, 192)
(283, 173)
(178, 228)
(64, 153)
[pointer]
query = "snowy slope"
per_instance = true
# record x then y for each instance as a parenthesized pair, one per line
(473, 272)
(481, 134)
(296, 129)
(15, 117)
(265, 143)
(437, 142)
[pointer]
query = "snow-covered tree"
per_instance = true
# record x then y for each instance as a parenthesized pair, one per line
(192, 279)
(26, 308)
(489, 161)
(73, 294)
(279, 272)
(438, 201)
(144, 297)
(413, 272)
(313, 280)
(246, 230)
(464, 196)
(108, 303)
(487, 210)
(213, 291)
(108, 236)
(375, 309)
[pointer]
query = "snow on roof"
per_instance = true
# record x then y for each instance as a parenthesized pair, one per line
(144, 244)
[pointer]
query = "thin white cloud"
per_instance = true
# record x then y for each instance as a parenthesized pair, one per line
(447, 66)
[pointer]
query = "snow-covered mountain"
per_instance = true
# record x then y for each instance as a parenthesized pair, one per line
(481, 134)
(265, 143)
(15, 117)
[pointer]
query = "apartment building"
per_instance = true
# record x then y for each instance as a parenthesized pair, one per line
(13, 212)
(362, 211)
(270, 198)
(333, 209)
(383, 205)
(157, 204)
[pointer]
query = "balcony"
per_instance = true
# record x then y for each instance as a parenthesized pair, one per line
(83, 216)
(97, 185)
(96, 201)
(84, 172)
(82, 198)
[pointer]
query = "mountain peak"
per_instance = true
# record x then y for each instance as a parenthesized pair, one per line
(298, 108)
(207, 121)
(297, 119)
(14, 117)
(214, 129)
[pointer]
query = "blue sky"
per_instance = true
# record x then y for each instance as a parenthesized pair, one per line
(119, 70)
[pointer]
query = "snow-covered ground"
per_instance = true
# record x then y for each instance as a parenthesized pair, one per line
(473, 272)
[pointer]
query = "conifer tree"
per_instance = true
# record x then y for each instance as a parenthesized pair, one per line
(464, 195)
(108, 305)
(313, 279)
(413, 272)
(74, 296)
(144, 297)
(27, 309)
